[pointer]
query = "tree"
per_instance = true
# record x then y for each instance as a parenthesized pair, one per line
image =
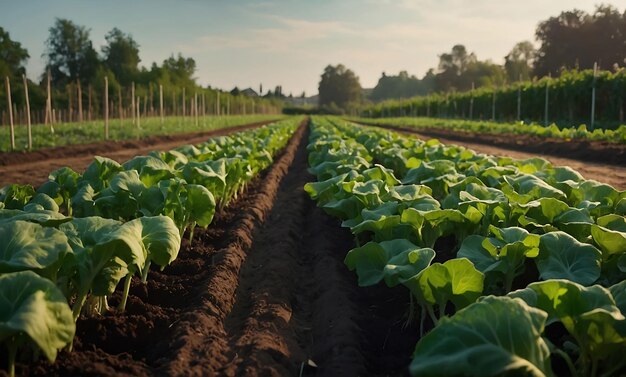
(576, 39)
(121, 56)
(519, 62)
(451, 66)
(339, 86)
(12, 56)
(180, 69)
(70, 53)
(400, 86)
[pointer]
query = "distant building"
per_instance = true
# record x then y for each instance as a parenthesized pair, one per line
(249, 92)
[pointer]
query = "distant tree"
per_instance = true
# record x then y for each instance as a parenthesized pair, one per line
(482, 73)
(519, 62)
(451, 67)
(121, 56)
(400, 86)
(180, 68)
(12, 56)
(339, 86)
(576, 39)
(70, 54)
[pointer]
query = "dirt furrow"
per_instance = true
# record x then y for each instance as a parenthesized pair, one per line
(201, 339)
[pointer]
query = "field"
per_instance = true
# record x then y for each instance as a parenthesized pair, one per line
(316, 247)
(119, 129)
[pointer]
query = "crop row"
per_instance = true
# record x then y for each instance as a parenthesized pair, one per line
(617, 135)
(497, 253)
(65, 246)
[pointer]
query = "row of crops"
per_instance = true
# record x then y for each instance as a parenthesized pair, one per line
(566, 99)
(512, 266)
(67, 245)
(581, 132)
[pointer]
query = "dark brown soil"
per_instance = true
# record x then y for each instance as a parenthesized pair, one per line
(34, 167)
(262, 292)
(602, 161)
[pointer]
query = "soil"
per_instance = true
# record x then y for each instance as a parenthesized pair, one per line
(34, 167)
(262, 292)
(602, 161)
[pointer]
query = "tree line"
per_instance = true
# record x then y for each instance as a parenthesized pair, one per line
(77, 72)
(569, 43)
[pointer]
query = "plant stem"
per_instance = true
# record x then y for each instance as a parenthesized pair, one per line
(146, 270)
(78, 305)
(193, 226)
(12, 346)
(122, 306)
(568, 361)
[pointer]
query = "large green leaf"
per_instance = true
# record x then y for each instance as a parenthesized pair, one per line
(393, 261)
(561, 256)
(151, 169)
(610, 235)
(159, 236)
(496, 336)
(590, 314)
(619, 295)
(502, 256)
(456, 280)
(34, 306)
(29, 246)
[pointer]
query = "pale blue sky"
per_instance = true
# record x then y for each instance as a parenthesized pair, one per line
(289, 42)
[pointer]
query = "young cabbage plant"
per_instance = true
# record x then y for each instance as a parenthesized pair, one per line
(97, 242)
(392, 261)
(33, 312)
(16, 196)
(456, 281)
(27, 246)
(561, 256)
(501, 257)
(592, 318)
(495, 336)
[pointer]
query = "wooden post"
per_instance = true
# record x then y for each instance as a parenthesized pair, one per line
(184, 107)
(471, 107)
(49, 104)
(120, 107)
(70, 98)
(161, 103)
(519, 98)
(428, 107)
(30, 133)
(80, 101)
(195, 107)
(545, 110)
(593, 95)
(90, 115)
(228, 106)
(493, 105)
(106, 108)
(10, 106)
(151, 108)
(145, 106)
(138, 114)
(132, 101)
(217, 105)
(203, 110)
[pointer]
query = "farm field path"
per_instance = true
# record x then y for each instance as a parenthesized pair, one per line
(34, 167)
(613, 174)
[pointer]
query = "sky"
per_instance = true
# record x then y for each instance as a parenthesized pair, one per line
(246, 43)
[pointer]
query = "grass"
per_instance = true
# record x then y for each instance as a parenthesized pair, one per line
(91, 132)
